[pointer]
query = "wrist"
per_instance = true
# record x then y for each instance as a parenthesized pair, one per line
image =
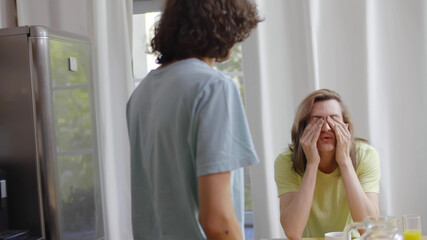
(312, 165)
(347, 163)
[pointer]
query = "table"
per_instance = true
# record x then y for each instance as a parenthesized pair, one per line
(302, 239)
(422, 238)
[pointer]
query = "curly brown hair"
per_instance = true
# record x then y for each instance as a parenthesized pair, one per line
(202, 28)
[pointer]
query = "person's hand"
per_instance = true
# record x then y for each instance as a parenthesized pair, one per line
(309, 138)
(343, 137)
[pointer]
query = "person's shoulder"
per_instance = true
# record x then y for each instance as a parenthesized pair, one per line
(195, 66)
(201, 72)
(366, 153)
(363, 146)
(286, 154)
(284, 158)
(286, 178)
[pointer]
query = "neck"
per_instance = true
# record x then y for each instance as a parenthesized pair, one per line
(208, 60)
(327, 162)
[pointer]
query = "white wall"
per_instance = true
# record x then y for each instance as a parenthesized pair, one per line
(7, 14)
(72, 16)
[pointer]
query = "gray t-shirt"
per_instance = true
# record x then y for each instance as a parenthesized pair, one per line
(185, 120)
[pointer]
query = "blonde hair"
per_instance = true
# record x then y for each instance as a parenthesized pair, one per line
(299, 160)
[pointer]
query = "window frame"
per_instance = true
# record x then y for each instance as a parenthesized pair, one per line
(145, 6)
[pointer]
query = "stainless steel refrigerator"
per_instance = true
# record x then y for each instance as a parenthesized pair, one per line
(48, 137)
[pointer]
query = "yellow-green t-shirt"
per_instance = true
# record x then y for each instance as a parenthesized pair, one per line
(329, 210)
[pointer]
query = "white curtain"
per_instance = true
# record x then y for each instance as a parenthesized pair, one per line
(71, 16)
(108, 23)
(112, 24)
(374, 54)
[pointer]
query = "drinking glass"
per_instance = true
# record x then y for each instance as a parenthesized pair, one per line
(411, 227)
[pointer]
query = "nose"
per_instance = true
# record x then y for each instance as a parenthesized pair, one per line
(326, 127)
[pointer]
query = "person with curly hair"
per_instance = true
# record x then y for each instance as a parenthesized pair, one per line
(327, 178)
(189, 136)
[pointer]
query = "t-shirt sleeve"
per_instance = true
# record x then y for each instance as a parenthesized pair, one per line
(221, 130)
(368, 170)
(286, 178)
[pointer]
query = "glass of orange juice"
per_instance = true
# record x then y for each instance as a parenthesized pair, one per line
(411, 227)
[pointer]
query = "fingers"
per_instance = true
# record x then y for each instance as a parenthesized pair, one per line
(341, 134)
(334, 120)
(307, 129)
(312, 131)
(316, 133)
(340, 128)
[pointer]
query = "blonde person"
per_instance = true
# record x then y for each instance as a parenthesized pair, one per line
(188, 132)
(327, 178)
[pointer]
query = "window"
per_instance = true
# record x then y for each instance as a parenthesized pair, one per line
(143, 31)
(142, 63)
(234, 69)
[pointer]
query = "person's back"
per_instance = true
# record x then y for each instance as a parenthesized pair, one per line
(164, 114)
(188, 132)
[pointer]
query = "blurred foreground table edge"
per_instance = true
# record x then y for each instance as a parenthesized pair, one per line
(422, 238)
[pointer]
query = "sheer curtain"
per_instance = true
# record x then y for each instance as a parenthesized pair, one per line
(112, 24)
(374, 54)
(108, 24)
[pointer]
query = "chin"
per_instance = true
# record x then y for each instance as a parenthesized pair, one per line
(326, 147)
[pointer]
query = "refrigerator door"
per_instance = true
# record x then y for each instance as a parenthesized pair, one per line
(48, 137)
(18, 152)
(70, 168)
